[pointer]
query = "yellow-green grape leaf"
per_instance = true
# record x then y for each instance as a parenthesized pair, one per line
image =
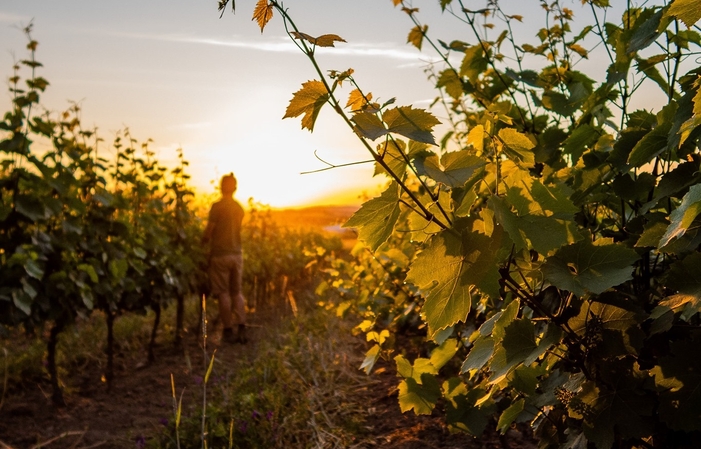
(688, 11)
(457, 167)
(421, 227)
(262, 13)
(371, 358)
(308, 101)
(416, 35)
(420, 366)
(476, 138)
(451, 82)
(448, 269)
(682, 217)
(520, 145)
(416, 124)
(443, 353)
(357, 101)
(586, 267)
(368, 125)
(376, 218)
(392, 153)
(509, 415)
(421, 397)
(473, 63)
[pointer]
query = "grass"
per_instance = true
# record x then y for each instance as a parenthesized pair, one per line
(294, 391)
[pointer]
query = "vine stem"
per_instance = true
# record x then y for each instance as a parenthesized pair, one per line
(309, 52)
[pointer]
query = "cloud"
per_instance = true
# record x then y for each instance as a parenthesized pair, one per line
(285, 45)
(14, 19)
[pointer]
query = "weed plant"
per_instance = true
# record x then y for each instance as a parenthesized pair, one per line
(293, 390)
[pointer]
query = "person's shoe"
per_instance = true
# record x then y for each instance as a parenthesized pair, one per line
(228, 335)
(242, 334)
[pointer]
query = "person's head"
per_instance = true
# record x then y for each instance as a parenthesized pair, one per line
(228, 184)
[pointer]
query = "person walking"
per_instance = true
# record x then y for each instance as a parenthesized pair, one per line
(223, 234)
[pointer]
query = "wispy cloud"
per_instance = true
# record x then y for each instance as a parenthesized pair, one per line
(13, 18)
(284, 45)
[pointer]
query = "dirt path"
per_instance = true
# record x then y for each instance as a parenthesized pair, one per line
(139, 403)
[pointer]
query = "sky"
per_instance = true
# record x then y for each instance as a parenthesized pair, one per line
(175, 72)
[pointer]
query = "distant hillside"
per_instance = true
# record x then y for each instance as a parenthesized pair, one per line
(315, 216)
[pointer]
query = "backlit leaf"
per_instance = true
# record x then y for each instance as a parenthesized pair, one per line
(368, 125)
(327, 40)
(357, 101)
(447, 270)
(586, 267)
(308, 101)
(371, 358)
(509, 415)
(421, 397)
(416, 124)
(688, 11)
(682, 217)
(416, 35)
(392, 153)
(376, 218)
(262, 13)
(457, 167)
(520, 145)
(443, 353)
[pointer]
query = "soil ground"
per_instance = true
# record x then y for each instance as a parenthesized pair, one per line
(139, 402)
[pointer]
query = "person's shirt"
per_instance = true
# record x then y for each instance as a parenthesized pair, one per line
(225, 218)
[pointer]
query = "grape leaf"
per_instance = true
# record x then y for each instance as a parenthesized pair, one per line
(582, 137)
(688, 11)
(421, 397)
(414, 371)
(262, 13)
(543, 234)
(451, 82)
(586, 267)
(368, 125)
(443, 353)
(462, 411)
(457, 167)
(509, 415)
(654, 143)
(325, 40)
(392, 153)
(447, 270)
(357, 101)
(479, 355)
(416, 124)
(371, 358)
(682, 217)
(377, 217)
(519, 144)
(308, 101)
(416, 35)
